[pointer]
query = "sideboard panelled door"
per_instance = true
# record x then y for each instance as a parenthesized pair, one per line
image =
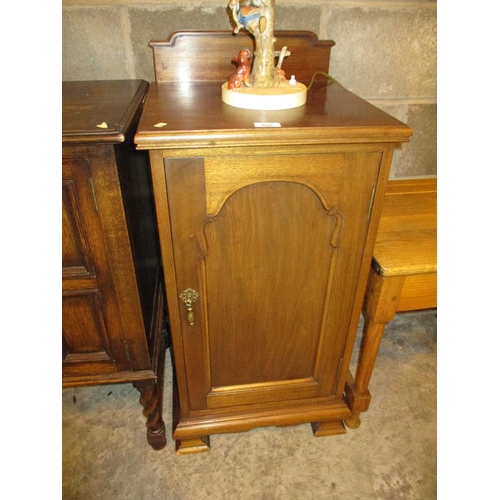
(273, 246)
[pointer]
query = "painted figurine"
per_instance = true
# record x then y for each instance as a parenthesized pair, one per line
(247, 14)
(242, 74)
(257, 16)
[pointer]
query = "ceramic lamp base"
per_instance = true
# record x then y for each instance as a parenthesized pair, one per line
(287, 97)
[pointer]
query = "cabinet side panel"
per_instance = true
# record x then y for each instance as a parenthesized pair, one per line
(92, 330)
(85, 337)
(75, 252)
(138, 204)
(358, 183)
(108, 194)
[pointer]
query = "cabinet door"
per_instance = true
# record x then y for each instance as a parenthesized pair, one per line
(89, 309)
(273, 245)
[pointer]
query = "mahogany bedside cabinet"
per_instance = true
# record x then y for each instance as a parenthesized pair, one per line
(112, 288)
(267, 222)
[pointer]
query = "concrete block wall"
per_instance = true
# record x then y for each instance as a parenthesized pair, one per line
(385, 51)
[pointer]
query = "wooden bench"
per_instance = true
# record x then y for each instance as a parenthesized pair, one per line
(403, 276)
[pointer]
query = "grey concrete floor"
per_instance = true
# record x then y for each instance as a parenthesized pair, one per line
(392, 455)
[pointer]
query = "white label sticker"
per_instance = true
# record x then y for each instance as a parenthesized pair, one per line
(267, 124)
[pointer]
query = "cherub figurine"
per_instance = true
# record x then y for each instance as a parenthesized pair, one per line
(242, 73)
(247, 15)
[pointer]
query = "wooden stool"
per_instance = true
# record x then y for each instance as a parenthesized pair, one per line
(403, 276)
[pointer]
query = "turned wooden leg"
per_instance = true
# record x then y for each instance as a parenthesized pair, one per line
(152, 401)
(381, 304)
(356, 402)
(354, 422)
(370, 343)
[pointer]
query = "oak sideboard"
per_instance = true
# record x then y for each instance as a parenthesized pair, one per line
(113, 312)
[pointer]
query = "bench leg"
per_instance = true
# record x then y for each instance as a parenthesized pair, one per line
(381, 304)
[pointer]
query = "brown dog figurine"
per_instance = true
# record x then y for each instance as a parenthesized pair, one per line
(242, 73)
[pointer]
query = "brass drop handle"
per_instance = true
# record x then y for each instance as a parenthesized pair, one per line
(189, 296)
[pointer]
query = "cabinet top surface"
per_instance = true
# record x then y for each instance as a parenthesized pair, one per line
(99, 111)
(193, 115)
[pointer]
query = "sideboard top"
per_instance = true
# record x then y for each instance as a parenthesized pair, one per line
(99, 111)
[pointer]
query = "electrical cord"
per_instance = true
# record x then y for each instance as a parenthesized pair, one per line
(324, 74)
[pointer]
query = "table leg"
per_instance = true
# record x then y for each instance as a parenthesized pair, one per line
(381, 304)
(152, 401)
